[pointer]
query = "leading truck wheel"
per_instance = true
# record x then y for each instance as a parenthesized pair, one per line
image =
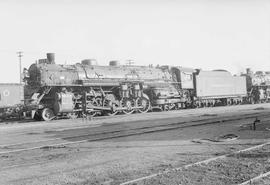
(47, 114)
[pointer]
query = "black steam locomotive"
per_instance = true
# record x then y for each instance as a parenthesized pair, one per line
(88, 89)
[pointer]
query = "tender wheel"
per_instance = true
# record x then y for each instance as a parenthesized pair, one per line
(92, 113)
(47, 114)
(144, 103)
(129, 103)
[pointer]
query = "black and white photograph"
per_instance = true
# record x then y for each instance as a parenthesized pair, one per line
(135, 92)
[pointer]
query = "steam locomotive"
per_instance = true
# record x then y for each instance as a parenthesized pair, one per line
(258, 86)
(54, 90)
(88, 89)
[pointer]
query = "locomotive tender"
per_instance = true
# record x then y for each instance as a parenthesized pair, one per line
(86, 88)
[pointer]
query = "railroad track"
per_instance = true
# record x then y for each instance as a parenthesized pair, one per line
(109, 133)
(16, 120)
(243, 167)
(100, 136)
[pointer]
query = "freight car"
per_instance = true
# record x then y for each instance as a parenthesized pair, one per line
(11, 100)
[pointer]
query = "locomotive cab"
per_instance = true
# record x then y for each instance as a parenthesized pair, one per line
(176, 93)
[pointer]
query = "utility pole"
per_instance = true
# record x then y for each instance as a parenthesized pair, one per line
(20, 54)
(130, 62)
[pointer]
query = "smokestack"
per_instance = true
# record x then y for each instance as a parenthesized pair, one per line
(51, 58)
(249, 71)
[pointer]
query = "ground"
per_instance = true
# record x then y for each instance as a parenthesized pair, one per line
(34, 153)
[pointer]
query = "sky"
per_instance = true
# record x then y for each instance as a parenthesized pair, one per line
(207, 34)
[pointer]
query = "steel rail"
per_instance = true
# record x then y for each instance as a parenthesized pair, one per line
(128, 132)
(206, 161)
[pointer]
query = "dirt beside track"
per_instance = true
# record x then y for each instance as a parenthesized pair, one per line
(234, 169)
(121, 159)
